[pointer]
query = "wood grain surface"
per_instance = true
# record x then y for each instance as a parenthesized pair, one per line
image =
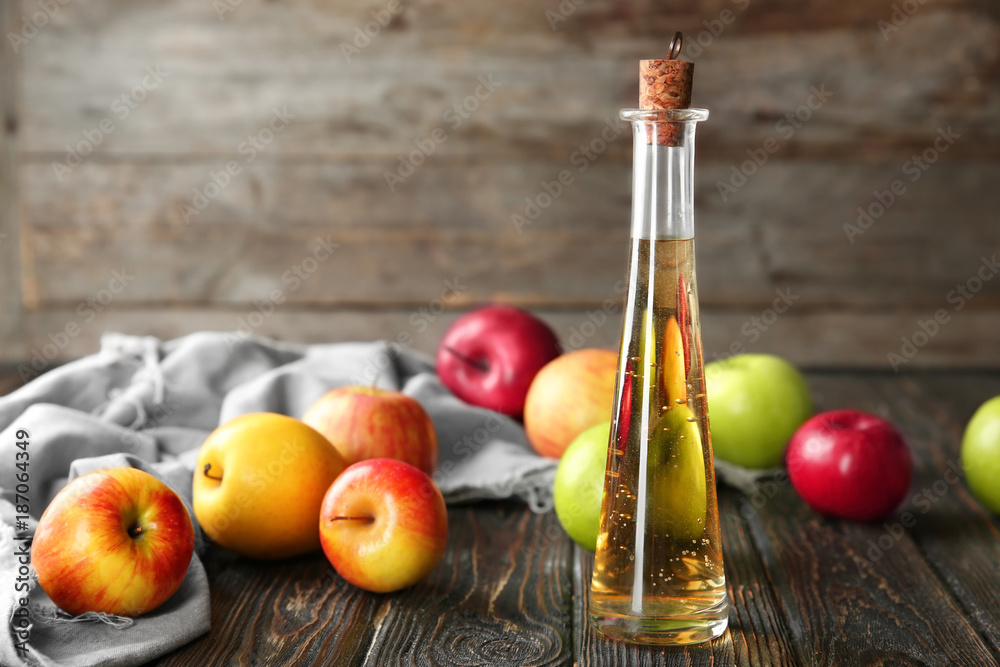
(796, 336)
(536, 96)
(785, 233)
(958, 537)
(225, 75)
(804, 589)
(501, 596)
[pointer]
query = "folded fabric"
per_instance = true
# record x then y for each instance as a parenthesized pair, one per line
(150, 404)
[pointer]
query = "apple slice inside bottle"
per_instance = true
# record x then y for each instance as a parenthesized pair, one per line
(684, 321)
(624, 419)
(678, 495)
(673, 374)
(647, 369)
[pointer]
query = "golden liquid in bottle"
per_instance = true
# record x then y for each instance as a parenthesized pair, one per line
(658, 575)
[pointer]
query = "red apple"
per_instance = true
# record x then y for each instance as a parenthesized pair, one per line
(567, 397)
(368, 423)
(849, 464)
(490, 356)
(383, 525)
(117, 541)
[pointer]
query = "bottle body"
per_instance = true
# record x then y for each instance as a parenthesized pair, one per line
(658, 572)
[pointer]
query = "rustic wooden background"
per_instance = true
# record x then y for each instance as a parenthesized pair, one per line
(443, 240)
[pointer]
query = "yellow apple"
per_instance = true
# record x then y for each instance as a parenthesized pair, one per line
(260, 482)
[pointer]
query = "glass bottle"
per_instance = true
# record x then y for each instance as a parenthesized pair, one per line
(658, 575)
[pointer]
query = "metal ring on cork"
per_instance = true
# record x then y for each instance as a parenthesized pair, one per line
(675, 46)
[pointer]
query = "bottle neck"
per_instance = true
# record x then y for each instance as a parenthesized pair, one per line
(663, 180)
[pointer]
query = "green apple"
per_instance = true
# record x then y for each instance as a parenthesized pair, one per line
(755, 403)
(981, 454)
(579, 485)
(677, 469)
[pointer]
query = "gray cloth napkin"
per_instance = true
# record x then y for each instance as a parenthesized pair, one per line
(150, 404)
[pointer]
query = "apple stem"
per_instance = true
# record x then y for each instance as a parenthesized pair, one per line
(208, 466)
(134, 531)
(352, 518)
(478, 363)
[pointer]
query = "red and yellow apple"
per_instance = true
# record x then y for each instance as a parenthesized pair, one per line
(368, 423)
(383, 525)
(259, 484)
(117, 541)
(569, 395)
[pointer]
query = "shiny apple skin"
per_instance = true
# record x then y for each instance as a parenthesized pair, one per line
(383, 525)
(850, 464)
(499, 350)
(86, 558)
(368, 423)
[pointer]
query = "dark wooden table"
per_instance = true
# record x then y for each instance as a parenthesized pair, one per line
(805, 590)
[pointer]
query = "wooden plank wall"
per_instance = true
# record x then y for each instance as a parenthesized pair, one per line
(10, 292)
(163, 95)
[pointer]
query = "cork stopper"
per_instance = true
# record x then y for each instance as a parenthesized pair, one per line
(666, 84)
